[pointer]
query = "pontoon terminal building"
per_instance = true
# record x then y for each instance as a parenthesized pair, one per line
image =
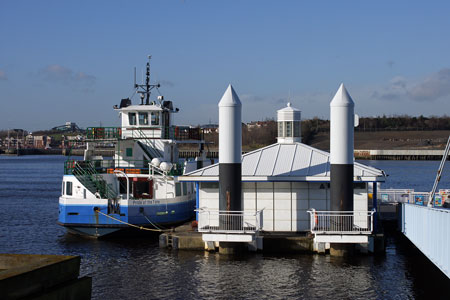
(286, 179)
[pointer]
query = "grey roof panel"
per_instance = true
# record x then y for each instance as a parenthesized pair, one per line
(250, 163)
(302, 161)
(285, 158)
(319, 164)
(364, 170)
(357, 172)
(213, 170)
(267, 161)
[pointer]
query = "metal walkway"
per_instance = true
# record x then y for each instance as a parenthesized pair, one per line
(429, 230)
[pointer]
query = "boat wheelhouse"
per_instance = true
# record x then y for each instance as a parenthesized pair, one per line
(138, 187)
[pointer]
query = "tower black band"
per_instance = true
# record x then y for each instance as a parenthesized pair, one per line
(341, 187)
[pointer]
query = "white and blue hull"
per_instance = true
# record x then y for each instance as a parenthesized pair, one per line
(82, 218)
(81, 212)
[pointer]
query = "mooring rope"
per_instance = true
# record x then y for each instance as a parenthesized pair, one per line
(153, 224)
(132, 225)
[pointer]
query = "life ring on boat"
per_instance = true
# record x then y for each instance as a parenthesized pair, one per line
(316, 219)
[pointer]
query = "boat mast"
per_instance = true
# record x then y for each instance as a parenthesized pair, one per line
(145, 89)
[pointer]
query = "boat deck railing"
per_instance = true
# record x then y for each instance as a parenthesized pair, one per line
(103, 133)
(87, 174)
(128, 167)
(179, 133)
(341, 222)
(220, 221)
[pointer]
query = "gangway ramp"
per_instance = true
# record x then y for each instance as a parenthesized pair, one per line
(428, 229)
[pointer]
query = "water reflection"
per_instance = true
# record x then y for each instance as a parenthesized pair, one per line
(135, 268)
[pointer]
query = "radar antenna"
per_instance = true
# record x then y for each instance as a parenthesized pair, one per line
(145, 89)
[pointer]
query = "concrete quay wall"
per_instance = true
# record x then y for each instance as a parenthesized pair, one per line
(28, 276)
(399, 154)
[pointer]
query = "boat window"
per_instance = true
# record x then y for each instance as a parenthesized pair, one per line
(129, 151)
(289, 129)
(359, 185)
(155, 118)
(177, 189)
(165, 118)
(63, 184)
(185, 191)
(132, 118)
(69, 188)
(84, 193)
(143, 189)
(143, 118)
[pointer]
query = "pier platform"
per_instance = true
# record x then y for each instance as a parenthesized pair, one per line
(280, 243)
(187, 238)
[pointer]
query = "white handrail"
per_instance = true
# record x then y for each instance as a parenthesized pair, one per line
(341, 222)
(221, 221)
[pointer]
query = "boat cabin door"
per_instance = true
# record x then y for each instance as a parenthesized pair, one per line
(114, 206)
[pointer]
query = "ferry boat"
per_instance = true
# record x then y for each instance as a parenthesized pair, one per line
(138, 187)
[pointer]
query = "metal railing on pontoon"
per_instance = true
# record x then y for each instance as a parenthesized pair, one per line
(341, 222)
(219, 221)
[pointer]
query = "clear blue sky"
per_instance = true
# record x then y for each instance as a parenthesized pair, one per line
(73, 60)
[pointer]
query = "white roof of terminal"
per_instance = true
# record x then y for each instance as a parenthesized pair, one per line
(285, 162)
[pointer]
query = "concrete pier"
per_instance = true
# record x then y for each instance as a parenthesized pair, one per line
(342, 250)
(401, 154)
(25, 276)
(231, 248)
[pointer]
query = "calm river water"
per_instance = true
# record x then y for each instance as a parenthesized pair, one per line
(135, 268)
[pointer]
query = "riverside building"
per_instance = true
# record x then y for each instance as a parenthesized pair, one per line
(284, 180)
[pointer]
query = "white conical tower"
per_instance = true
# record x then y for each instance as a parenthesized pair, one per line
(230, 154)
(289, 125)
(230, 127)
(341, 150)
